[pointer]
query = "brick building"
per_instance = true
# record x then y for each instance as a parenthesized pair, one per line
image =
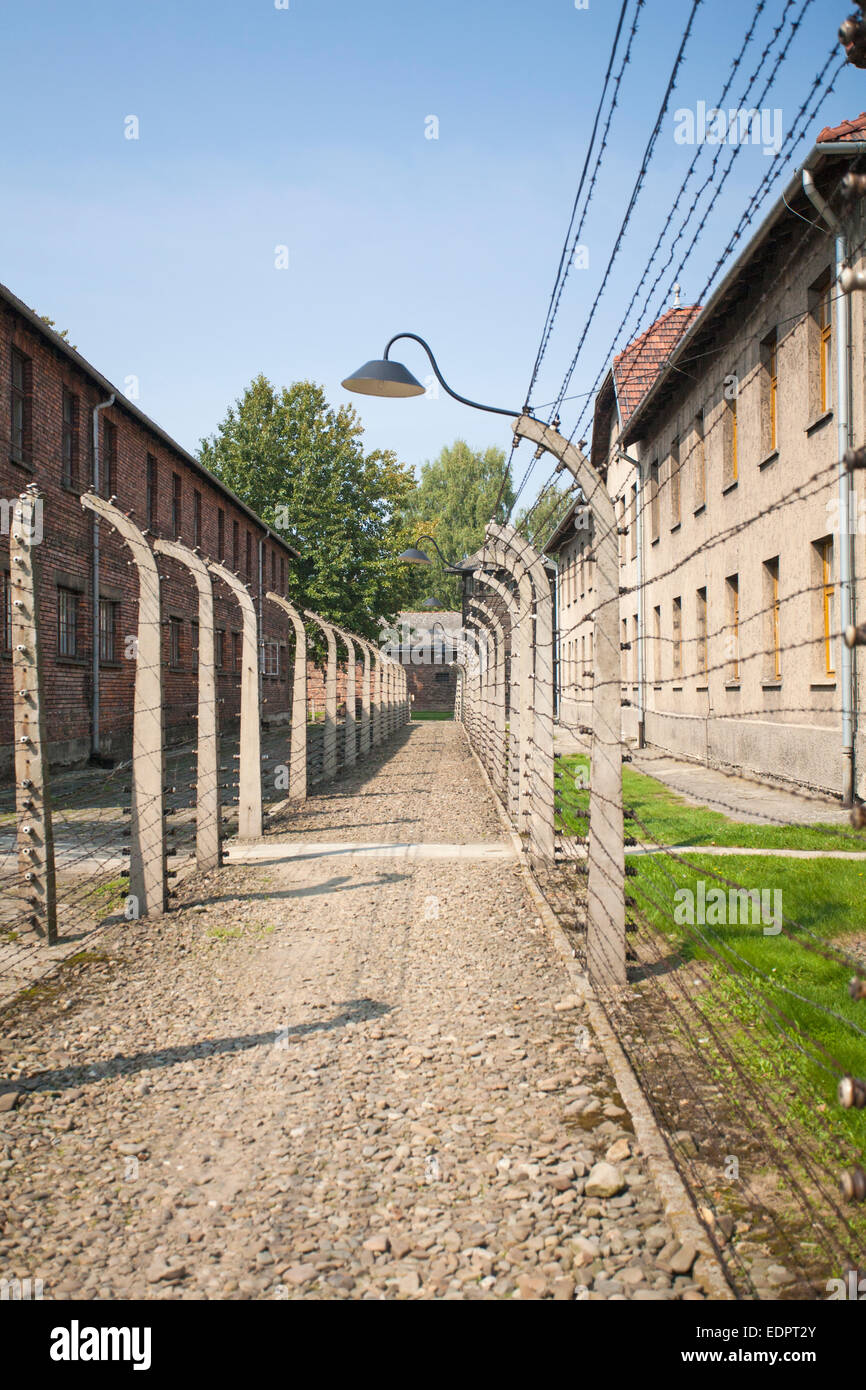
(48, 395)
(422, 641)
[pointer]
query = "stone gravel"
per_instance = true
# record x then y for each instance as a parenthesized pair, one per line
(333, 1077)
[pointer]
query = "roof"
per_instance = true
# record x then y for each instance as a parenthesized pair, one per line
(637, 366)
(123, 402)
(733, 283)
(428, 618)
(848, 130)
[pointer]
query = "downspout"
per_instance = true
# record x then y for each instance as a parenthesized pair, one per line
(94, 723)
(638, 521)
(844, 441)
(557, 646)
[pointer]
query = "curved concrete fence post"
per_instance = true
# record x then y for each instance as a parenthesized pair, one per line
(606, 883)
(208, 827)
(510, 693)
(250, 745)
(329, 755)
(350, 754)
(495, 688)
(520, 747)
(298, 744)
(147, 878)
(378, 714)
(390, 699)
(36, 863)
(477, 631)
(528, 562)
(366, 693)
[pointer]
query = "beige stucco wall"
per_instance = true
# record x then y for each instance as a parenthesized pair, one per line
(782, 503)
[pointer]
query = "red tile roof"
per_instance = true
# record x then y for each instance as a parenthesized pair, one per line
(848, 130)
(637, 366)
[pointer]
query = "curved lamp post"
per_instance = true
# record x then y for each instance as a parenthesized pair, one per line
(606, 879)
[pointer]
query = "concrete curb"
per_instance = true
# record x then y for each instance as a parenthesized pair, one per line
(679, 1208)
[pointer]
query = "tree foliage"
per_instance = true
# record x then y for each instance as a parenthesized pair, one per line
(302, 466)
(540, 519)
(454, 501)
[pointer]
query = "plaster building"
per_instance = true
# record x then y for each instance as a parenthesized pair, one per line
(720, 432)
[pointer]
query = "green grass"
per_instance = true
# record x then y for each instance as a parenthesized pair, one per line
(658, 815)
(432, 714)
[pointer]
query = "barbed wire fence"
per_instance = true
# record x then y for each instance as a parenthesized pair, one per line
(81, 848)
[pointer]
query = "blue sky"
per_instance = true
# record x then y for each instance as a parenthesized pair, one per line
(305, 127)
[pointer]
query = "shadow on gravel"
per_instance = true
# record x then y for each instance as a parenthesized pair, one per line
(342, 884)
(354, 1011)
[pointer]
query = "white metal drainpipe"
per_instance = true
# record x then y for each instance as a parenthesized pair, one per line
(94, 730)
(844, 441)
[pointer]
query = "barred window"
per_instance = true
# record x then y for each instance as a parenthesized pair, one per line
(174, 633)
(107, 629)
(270, 659)
(69, 439)
(22, 406)
(68, 604)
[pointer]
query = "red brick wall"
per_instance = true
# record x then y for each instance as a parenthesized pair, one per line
(432, 686)
(65, 557)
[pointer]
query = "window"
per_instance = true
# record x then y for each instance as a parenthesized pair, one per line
(22, 412)
(731, 442)
(657, 645)
(220, 649)
(828, 589)
(675, 482)
(236, 546)
(68, 603)
(700, 453)
(194, 644)
(237, 650)
(176, 505)
(773, 625)
(107, 629)
(152, 499)
(823, 292)
(196, 518)
(221, 535)
(69, 440)
(5, 611)
(270, 659)
(732, 586)
(249, 555)
(703, 653)
(678, 636)
(174, 635)
(654, 500)
(108, 465)
(770, 383)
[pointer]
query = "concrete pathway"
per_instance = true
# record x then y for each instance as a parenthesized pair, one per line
(331, 1077)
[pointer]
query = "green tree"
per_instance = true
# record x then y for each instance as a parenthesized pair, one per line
(454, 501)
(539, 520)
(302, 466)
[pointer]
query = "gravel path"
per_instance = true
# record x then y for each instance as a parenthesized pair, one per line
(330, 1077)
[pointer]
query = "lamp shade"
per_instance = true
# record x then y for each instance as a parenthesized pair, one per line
(383, 378)
(414, 557)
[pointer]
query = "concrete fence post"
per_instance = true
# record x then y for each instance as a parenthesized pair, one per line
(365, 698)
(298, 744)
(511, 695)
(527, 565)
(329, 764)
(250, 743)
(495, 689)
(350, 755)
(606, 883)
(32, 791)
(208, 830)
(147, 876)
(378, 715)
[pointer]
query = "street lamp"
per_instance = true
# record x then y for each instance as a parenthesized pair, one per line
(413, 556)
(381, 377)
